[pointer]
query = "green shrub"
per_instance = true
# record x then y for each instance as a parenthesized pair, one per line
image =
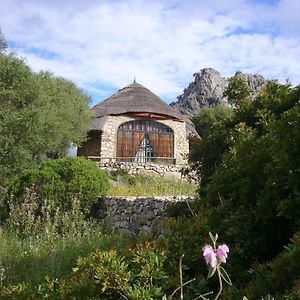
(59, 182)
(280, 277)
(137, 276)
(249, 169)
(186, 236)
(102, 274)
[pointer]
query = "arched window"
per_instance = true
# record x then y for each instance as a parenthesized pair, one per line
(145, 141)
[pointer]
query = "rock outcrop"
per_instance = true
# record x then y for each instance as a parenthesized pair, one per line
(207, 90)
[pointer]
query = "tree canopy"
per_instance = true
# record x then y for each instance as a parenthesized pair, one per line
(209, 116)
(40, 115)
(237, 90)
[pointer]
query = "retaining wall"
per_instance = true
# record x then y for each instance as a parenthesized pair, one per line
(169, 171)
(136, 215)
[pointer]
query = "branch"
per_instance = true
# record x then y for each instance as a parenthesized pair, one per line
(180, 274)
(203, 296)
(180, 287)
(221, 285)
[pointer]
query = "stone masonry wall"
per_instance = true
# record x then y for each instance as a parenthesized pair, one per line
(168, 171)
(136, 215)
(181, 143)
(109, 138)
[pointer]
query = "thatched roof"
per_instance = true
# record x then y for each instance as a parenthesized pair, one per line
(135, 98)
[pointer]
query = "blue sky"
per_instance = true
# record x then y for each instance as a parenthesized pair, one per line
(102, 45)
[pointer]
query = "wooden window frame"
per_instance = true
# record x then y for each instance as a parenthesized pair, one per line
(137, 129)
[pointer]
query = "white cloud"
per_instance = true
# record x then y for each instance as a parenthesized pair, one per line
(101, 44)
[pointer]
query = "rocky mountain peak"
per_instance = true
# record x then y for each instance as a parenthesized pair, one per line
(207, 90)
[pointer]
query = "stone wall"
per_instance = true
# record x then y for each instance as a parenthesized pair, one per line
(181, 142)
(136, 215)
(109, 138)
(168, 171)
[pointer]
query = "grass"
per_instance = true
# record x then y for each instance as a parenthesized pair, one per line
(30, 259)
(139, 185)
(30, 251)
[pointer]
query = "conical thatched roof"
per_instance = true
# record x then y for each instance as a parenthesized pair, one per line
(135, 98)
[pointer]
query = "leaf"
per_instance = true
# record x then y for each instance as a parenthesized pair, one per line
(225, 275)
(211, 272)
(212, 237)
(216, 237)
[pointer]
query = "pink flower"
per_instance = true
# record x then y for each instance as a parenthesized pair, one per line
(222, 253)
(210, 256)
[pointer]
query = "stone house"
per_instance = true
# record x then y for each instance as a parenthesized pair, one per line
(135, 125)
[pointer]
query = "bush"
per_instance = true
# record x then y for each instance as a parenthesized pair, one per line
(186, 235)
(249, 169)
(104, 274)
(58, 183)
(279, 277)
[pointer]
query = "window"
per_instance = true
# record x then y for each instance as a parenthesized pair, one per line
(145, 141)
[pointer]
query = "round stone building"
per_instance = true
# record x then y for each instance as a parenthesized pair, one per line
(135, 125)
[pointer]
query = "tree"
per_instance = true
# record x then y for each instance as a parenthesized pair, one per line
(209, 116)
(205, 123)
(252, 185)
(237, 90)
(40, 115)
(3, 44)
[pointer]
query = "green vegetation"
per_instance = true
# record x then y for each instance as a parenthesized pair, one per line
(40, 116)
(142, 185)
(237, 91)
(249, 168)
(249, 193)
(29, 259)
(205, 123)
(59, 182)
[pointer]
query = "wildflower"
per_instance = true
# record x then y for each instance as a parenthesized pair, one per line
(222, 253)
(210, 256)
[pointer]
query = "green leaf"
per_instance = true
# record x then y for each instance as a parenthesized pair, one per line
(224, 275)
(216, 237)
(213, 238)
(211, 272)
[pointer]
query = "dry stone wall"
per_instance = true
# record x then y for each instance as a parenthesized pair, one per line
(168, 171)
(137, 215)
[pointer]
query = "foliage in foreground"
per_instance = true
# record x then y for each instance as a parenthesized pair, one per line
(250, 181)
(107, 274)
(279, 277)
(35, 248)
